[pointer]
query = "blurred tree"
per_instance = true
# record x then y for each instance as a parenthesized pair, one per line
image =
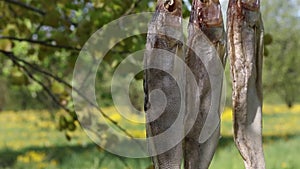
(40, 42)
(39, 45)
(281, 68)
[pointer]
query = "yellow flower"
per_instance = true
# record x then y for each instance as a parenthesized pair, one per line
(23, 159)
(31, 156)
(227, 114)
(36, 157)
(284, 165)
(53, 162)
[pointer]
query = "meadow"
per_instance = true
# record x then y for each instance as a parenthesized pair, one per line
(31, 140)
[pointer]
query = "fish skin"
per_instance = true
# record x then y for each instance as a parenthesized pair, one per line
(167, 18)
(245, 47)
(205, 26)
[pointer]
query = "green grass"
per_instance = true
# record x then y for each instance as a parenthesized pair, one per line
(280, 153)
(30, 140)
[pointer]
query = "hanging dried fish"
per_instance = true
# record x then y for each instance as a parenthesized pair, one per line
(245, 47)
(164, 40)
(206, 41)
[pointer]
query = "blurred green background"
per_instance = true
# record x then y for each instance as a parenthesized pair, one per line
(39, 45)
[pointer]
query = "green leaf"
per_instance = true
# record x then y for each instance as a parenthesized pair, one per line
(57, 88)
(52, 18)
(268, 39)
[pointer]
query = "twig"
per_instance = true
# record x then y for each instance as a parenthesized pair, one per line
(123, 162)
(131, 8)
(26, 6)
(37, 29)
(36, 68)
(40, 43)
(31, 76)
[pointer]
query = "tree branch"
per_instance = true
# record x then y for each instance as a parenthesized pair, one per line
(11, 56)
(26, 6)
(40, 43)
(16, 60)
